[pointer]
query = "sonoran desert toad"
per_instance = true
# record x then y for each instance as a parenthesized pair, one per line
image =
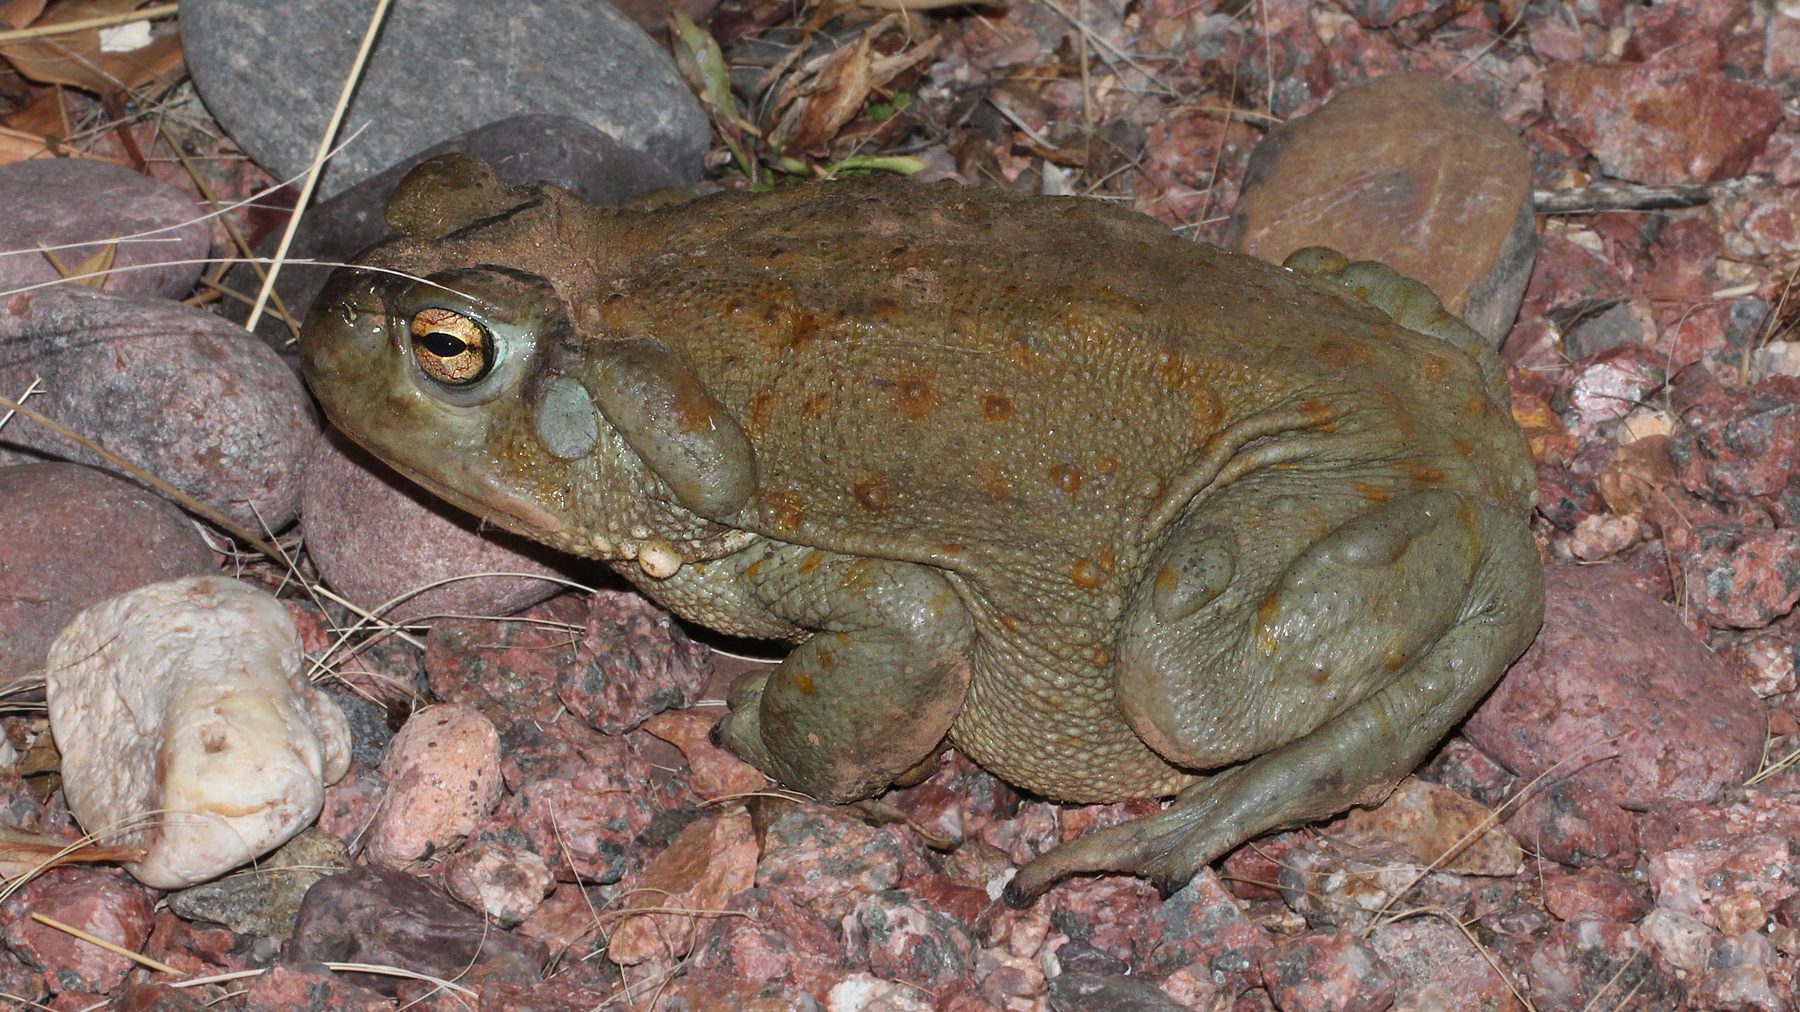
(1116, 514)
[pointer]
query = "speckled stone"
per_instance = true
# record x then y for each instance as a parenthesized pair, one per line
(72, 536)
(53, 201)
(181, 393)
(440, 68)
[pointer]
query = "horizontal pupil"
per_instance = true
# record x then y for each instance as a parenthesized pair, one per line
(444, 345)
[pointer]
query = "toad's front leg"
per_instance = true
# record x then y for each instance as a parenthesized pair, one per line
(875, 688)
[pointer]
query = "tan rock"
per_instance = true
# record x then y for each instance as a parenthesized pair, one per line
(711, 861)
(1408, 171)
(187, 726)
(443, 775)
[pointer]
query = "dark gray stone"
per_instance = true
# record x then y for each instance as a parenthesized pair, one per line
(270, 72)
(51, 201)
(265, 900)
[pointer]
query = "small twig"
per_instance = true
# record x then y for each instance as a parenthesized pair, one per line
(104, 21)
(318, 165)
(119, 950)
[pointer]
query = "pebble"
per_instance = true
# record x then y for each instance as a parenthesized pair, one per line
(1701, 857)
(1593, 893)
(1576, 963)
(827, 860)
(504, 669)
(1732, 444)
(196, 948)
(632, 663)
(587, 61)
(1202, 929)
(709, 862)
(387, 917)
(1328, 971)
(72, 536)
(1107, 992)
(52, 201)
(1436, 966)
(292, 985)
(101, 901)
(1659, 122)
(1568, 822)
(1410, 171)
(189, 698)
(265, 900)
(583, 825)
(443, 778)
(1606, 387)
(768, 937)
(506, 884)
(713, 772)
(180, 392)
(904, 938)
(1430, 822)
(376, 536)
(1618, 694)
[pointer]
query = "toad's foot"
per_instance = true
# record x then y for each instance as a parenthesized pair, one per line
(871, 694)
(1353, 758)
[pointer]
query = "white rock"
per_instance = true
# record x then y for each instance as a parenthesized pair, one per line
(187, 727)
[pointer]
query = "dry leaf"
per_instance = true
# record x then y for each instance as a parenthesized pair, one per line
(44, 116)
(17, 146)
(76, 59)
(837, 93)
(19, 13)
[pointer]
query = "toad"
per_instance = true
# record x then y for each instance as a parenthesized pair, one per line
(1116, 514)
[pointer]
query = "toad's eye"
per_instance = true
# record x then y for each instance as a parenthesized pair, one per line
(450, 347)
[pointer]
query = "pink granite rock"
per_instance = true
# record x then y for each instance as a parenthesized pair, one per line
(1568, 822)
(102, 901)
(707, 863)
(1328, 971)
(1701, 856)
(443, 777)
(1616, 693)
(1593, 893)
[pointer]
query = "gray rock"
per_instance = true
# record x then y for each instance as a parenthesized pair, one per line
(265, 900)
(1107, 992)
(51, 201)
(270, 72)
(186, 395)
(71, 536)
(521, 149)
(375, 535)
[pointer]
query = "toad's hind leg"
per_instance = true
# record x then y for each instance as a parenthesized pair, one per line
(1357, 755)
(875, 688)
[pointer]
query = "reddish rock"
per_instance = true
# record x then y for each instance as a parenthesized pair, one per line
(1608, 386)
(1616, 693)
(1436, 966)
(826, 860)
(1742, 577)
(1581, 962)
(708, 863)
(155, 998)
(584, 826)
(1253, 871)
(443, 777)
(195, 948)
(72, 536)
(1660, 121)
(53, 202)
(712, 771)
(1593, 894)
(1106, 921)
(554, 995)
(376, 536)
(387, 917)
(1076, 991)
(1436, 826)
(298, 985)
(1408, 170)
(116, 368)
(566, 920)
(1203, 929)
(503, 883)
(1684, 941)
(1768, 661)
(1566, 497)
(104, 902)
(1735, 444)
(1745, 972)
(767, 937)
(532, 750)
(1569, 277)
(506, 670)
(1701, 856)
(904, 938)
(350, 804)
(1570, 823)
(1761, 223)
(1335, 971)
(633, 662)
